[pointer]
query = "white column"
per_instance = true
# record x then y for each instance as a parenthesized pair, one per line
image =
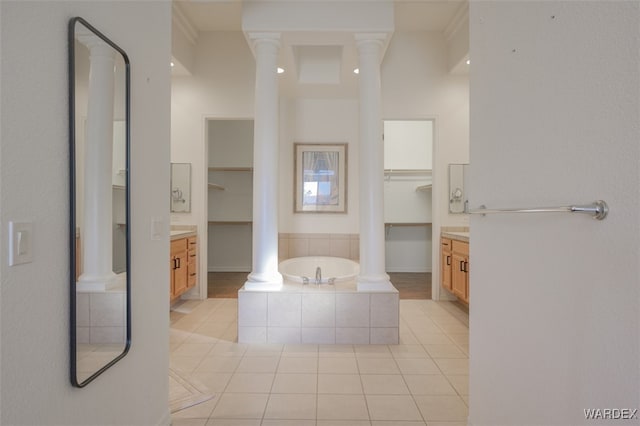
(97, 238)
(372, 257)
(264, 274)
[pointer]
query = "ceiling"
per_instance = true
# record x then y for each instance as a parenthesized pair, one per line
(335, 62)
(410, 15)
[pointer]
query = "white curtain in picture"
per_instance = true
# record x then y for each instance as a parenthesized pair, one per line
(320, 178)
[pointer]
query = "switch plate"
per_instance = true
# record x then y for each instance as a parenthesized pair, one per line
(157, 228)
(20, 242)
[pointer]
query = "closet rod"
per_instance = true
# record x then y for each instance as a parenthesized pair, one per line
(407, 171)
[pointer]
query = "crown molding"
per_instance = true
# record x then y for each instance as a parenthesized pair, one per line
(459, 19)
(180, 20)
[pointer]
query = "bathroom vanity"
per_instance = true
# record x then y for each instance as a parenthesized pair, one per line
(183, 262)
(454, 263)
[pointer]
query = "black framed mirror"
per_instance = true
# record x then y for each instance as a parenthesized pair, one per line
(99, 232)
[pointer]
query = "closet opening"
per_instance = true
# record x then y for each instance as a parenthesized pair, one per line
(408, 153)
(229, 204)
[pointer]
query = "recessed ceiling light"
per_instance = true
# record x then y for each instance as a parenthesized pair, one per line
(468, 61)
(280, 70)
(356, 71)
(172, 64)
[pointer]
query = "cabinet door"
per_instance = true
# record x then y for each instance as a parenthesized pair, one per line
(445, 263)
(180, 274)
(172, 276)
(178, 266)
(459, 275)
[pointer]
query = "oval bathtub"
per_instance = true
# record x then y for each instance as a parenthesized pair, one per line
(332, 268)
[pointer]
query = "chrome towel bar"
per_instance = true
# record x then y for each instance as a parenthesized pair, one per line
(597, 210)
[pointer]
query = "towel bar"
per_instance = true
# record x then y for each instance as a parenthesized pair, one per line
(598, 210)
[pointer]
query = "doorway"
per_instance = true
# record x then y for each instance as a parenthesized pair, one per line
(229, 204)
(408, 148)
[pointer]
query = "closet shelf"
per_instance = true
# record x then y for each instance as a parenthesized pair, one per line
(215, 186)
(392, 224)
(230, 222)
(426, 187)
(231, 169)
(391, 172)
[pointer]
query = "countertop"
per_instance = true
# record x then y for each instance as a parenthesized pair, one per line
(182, 232)
(456, 235)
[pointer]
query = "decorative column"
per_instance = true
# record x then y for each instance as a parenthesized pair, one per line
(264, 273)
(373, 276)
(97, 238)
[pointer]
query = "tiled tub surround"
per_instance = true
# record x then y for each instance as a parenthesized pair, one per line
(101, 316)
(324, 314)
(293, 245)
(100, 328)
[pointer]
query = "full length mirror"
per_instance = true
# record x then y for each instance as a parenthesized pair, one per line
(100, 323)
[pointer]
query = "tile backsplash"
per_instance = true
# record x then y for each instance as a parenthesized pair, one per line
(337, 245)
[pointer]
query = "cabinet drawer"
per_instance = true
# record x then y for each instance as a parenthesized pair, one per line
(460, 247)
(445, 243)
(192, 241)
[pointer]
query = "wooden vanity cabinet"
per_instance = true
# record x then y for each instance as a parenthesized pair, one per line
(192, 264)
(183, 265)
(460, 269)
(445, 263)
(178, 267)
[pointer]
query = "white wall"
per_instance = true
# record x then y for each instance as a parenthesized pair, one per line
(554, 117)
(318, 121)
(34, 305)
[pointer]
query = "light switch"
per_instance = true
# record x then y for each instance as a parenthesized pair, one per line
(21, 243)
(157, 228)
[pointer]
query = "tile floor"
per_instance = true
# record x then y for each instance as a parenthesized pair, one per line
(422, 381)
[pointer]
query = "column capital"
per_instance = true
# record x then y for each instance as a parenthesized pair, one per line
(378, 39)
(260, 38)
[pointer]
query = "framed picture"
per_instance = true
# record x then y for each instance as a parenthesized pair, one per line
(320, 178)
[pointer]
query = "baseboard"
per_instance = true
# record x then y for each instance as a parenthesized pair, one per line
(229, 269)
(417, 269)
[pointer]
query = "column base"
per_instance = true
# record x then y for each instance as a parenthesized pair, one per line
(375, 283)
(263, 281)
(99, 283)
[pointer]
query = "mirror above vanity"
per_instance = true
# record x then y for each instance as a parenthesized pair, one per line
(100, 284)
(180, 187)
(458, 198)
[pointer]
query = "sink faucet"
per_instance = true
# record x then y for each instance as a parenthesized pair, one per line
(318, 275)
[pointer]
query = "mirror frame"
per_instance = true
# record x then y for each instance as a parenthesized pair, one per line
(463, 195)
(72, 202)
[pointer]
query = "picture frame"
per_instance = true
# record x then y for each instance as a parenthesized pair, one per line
(320, 177)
